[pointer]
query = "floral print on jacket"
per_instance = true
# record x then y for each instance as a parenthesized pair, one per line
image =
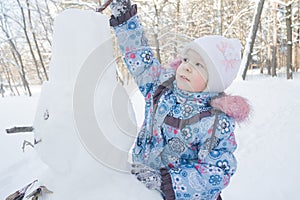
(195, 172)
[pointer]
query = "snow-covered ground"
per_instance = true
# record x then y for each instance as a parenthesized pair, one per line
(18, 111)
(268, 144)
(268, 151)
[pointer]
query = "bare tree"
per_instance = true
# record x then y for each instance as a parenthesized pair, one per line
(157, 10)
(251, 38)
(1, 86)
(289, 74)
(7, 74)
(24, 27)
(297, 38)
(269, 38)
(27, 32)
(19, 63)
(42, 15)
(274, 47)
(35, 40)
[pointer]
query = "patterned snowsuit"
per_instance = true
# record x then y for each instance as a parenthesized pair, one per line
(170, 137)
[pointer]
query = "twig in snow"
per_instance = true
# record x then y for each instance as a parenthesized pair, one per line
(19, 129)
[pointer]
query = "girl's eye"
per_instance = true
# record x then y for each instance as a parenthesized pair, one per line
(199, 65)
(185, 59)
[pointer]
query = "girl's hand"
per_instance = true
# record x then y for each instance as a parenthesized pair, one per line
(119, 7)
(148, 176)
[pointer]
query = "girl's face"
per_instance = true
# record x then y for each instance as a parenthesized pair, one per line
(192, 75)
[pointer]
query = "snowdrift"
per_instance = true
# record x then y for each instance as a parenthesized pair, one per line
(81, 124)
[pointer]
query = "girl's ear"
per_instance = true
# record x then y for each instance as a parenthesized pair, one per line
(176, 62)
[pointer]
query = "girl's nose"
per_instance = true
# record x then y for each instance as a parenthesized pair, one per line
(187, 67)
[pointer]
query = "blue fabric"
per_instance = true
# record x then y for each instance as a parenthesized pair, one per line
(195, 172)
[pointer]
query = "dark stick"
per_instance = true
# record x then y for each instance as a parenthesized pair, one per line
(104, 6)
(19, 129)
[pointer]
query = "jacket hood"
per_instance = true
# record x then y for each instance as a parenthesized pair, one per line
(236, 107)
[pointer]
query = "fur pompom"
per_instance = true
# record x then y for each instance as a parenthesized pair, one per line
(233, 106)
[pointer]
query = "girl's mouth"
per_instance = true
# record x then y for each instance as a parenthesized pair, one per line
(184, 78)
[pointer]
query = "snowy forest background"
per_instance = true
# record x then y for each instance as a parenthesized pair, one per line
(26, 28)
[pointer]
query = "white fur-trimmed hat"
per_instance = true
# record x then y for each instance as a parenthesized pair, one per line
(222, 57)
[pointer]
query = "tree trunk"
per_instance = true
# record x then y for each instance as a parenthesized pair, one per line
(35, 41)
(220, 16)
(296, 39)
(17, 56)
(261, 59)
(29, 42)
(47, 13)
(22, 72)
(176, 28)
(289, 74)
(157, 47)
(14, 82)
(269, 39)
(251, 38)
(297, 51)
(1, 86)
(41, 17)
(7, 76)
(274, 47)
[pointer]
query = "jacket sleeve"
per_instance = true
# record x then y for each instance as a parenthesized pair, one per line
(206, 178)
(138, 56)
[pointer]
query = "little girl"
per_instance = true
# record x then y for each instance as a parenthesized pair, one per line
(185, 147)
